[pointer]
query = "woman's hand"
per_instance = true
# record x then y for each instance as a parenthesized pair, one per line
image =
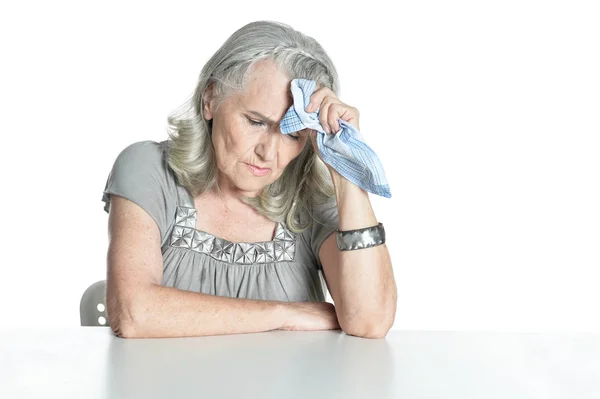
(310, 316)
(331, 108)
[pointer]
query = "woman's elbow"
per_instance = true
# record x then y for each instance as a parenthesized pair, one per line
(120, 327)
(121, 321)
(369, 332)
(124, 330)
(374, 330)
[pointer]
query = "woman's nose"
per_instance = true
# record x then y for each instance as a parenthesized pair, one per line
(268, 146)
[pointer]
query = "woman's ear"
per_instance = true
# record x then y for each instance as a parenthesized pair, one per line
(208, 102)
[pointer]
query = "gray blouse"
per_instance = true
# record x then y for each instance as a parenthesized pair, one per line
(287, 268)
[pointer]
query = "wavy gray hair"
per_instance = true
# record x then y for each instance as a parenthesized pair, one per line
(305, 179)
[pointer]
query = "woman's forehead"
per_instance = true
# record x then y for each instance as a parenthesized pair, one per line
(269, 89)
(269, 103)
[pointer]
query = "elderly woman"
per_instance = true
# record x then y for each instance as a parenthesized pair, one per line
(230, 226)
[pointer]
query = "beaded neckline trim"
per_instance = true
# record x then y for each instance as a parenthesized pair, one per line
(185, 235)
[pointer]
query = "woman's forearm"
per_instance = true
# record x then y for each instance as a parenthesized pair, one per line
(166, 312)
(366, 279)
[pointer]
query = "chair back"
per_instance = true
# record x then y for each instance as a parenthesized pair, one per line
(92, 308)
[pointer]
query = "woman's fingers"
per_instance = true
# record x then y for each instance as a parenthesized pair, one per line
(331, 109)
(316, 98)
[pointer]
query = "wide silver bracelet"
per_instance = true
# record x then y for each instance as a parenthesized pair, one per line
(361, 238)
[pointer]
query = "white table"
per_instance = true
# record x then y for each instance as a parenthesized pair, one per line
(89, 362)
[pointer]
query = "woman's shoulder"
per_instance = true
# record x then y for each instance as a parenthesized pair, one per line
(147, 161)
(146, 156)
(146, 151)
(324, 209)
(319, 213)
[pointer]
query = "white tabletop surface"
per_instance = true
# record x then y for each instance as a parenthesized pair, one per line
(90, 362)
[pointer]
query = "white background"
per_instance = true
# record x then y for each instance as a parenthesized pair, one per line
(485, 115)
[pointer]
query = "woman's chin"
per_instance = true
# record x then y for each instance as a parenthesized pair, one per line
(250, 188)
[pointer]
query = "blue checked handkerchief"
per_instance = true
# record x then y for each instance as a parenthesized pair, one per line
(345, 150)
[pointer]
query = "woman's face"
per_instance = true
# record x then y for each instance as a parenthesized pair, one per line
(251, 151)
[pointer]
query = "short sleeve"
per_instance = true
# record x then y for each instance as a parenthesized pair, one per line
(141, 174)
(324, 222)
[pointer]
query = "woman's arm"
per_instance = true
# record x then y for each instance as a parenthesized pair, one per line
(139, 307)
(361, 281)
(165, 312)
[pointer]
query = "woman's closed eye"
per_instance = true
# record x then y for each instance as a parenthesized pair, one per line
(259, 123)
(255, 123)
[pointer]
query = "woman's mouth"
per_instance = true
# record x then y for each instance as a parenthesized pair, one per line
(256, 171)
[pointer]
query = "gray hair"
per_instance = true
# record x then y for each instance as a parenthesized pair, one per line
(305, 179)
